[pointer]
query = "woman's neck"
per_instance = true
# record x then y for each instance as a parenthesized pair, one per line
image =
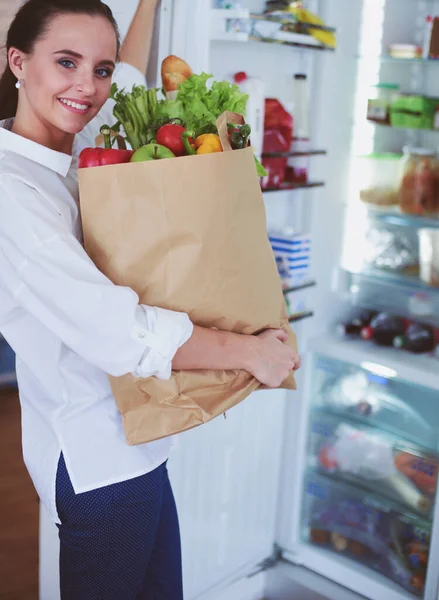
(34, 129)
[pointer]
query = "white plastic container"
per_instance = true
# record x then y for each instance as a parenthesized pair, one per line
(429, 256)
(255, 88)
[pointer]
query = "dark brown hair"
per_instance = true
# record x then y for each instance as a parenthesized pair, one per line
(29, 25)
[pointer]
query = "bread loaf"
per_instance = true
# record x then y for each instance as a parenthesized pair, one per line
(174, 71)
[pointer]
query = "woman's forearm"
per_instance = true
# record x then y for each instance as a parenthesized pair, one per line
(212, 349)
(136, 47)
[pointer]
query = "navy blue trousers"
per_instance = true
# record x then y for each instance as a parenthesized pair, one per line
(120, 542)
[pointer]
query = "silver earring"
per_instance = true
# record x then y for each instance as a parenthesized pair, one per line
(18, 85)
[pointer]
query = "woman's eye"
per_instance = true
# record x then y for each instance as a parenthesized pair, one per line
(68, 64)
(104, 73)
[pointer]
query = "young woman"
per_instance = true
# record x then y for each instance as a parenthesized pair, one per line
(70, 326)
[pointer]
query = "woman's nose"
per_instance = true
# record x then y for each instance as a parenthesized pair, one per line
(86, 84)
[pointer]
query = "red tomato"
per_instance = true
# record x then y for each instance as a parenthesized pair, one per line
(170, 136)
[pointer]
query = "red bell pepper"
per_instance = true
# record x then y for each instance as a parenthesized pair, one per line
(99, 157)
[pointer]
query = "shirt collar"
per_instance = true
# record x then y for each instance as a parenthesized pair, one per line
(56, 161)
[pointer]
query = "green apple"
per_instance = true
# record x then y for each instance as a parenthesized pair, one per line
(151, 152)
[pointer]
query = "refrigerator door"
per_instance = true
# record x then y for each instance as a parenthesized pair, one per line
(225, 476)
(364, 509)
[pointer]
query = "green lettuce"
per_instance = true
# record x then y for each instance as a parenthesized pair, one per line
(203, 105)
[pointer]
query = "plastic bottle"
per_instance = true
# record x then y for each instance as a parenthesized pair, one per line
(355, 325)
(383, 329)
(418, 338)
(255, 88)
(299, 165)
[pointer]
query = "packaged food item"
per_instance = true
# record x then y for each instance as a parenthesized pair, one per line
(378, 105)
(378, 176)
(405, 51)
(413, 112)
(429, 256)
(431, 40)
(392, 248)
(278, 135)
(370, 457)
(292, 252)
(419, 182)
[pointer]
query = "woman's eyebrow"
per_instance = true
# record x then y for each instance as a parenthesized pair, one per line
(79, 56)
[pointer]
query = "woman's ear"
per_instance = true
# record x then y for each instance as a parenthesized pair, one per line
(16, 60)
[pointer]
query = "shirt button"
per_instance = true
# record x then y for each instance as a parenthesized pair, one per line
(141, 336)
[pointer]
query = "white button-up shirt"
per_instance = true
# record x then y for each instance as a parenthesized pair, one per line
(69, 325)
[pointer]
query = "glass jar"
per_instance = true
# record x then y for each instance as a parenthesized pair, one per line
(418, 192)
(378, 105)
(378, 178)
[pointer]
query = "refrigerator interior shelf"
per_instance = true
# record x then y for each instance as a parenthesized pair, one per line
(300, 24)
(297, 288)
(405, 61)
(384, 126)
(300, 316)
(420, 369)
(295, 186)
(356, 418)
(240, 26)
(398, 218)
(396, 278)
(294, 154)
(300, 41)
(392, 295)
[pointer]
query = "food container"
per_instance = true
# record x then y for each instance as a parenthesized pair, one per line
(405, 51)
(429, 256)
(381, 98)
(368, 530)
(369, 457)
(378, 176)
(413, 112)
(419, 182)
(292, 252)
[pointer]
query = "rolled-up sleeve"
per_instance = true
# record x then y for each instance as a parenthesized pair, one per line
(48, 273)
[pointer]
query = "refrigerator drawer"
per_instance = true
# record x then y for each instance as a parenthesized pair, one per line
(374, 459)
(358, 392)
(343, 520)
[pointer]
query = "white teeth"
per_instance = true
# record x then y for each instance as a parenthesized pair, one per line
(74, 104)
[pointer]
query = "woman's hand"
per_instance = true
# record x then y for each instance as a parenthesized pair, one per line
(272, 360)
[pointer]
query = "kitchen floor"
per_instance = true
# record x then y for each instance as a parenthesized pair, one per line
(288, 582)
(19, 509)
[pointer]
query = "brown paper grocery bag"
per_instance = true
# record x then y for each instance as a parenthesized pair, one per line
(187, 234)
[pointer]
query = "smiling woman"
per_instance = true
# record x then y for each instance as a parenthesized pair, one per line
(70, 326)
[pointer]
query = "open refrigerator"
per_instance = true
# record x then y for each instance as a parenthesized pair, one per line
(340, 478)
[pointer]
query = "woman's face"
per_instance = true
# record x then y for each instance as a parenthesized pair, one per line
(67, 78)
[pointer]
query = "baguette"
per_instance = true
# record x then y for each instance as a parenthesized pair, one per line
(174, 71)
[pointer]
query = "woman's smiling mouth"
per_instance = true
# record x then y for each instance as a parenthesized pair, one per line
(75, 105)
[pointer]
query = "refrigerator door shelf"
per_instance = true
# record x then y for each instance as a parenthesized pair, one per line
(343, 520)
(346, 450)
